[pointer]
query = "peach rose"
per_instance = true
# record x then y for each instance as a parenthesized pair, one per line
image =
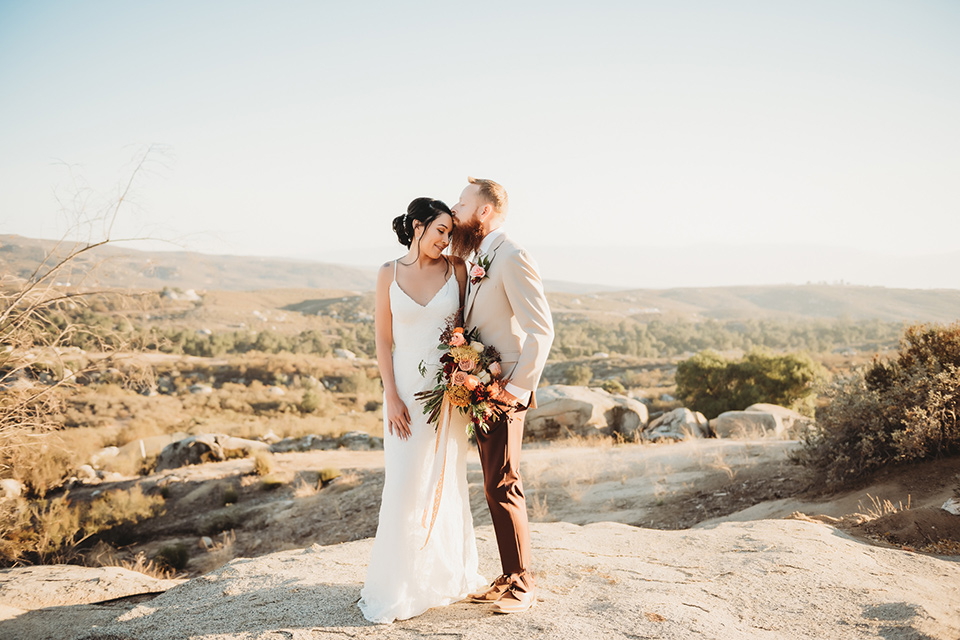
(471, 382)
(459, 378)
(457, 340)
(495, 369)
(467, 364)
(477, 272)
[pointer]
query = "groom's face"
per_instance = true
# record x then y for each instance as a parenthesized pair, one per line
(467, 210)
(468, 232)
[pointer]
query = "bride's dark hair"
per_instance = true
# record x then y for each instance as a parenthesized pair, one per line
(422, 210)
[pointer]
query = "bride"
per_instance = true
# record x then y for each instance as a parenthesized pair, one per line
(425, 552)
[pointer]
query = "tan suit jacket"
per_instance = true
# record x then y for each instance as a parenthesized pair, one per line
(510, 310)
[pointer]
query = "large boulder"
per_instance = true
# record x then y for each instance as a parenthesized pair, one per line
(208, 447)
(747, 424)
(308, 442)
(761, 420)
(150, 446)
(678, 424)
(359, 441)
(564, 410)
(62, 585)
(794, 424)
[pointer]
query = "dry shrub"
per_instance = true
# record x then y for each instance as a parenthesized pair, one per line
(263, 463)
(118, 507)
(328, 475)
(54, 529)
(141, 564)
(891, 412)
(104, 555)
(220, 553)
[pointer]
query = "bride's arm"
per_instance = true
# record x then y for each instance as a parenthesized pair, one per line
(394, 410)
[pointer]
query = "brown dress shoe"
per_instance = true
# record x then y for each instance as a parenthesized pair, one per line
(492, 593)
(516, 601)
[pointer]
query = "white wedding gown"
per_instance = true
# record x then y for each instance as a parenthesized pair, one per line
(420, 560)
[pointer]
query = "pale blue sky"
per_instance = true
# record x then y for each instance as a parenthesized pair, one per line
(300, 129)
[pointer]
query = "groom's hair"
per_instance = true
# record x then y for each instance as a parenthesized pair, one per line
(492, 193)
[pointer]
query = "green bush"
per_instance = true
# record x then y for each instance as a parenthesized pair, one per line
(174, 556)
(310, 402)
(891, 412)
(225, 519)
(579, 375)
(711, 384)
(613, 386)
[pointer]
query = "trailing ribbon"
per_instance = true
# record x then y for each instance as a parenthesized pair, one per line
(439, 466)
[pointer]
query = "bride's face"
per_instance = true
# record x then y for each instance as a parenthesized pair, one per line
(433, 239)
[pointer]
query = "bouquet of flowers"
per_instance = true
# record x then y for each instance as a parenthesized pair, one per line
(469, 379)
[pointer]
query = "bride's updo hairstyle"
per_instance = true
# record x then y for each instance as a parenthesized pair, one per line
(422, 210)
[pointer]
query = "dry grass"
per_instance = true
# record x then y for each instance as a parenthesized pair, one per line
(720, 464)
(539, 511)
(879, 508)
(304, 489)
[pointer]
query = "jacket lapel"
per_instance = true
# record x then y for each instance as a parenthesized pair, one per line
(472, 294)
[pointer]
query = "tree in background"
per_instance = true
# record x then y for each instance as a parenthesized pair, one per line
(579, 375)
(711, 384)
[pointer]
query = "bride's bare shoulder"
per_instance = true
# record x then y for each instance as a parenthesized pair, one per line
(385, 272)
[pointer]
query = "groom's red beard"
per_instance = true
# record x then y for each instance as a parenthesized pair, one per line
(466, 238)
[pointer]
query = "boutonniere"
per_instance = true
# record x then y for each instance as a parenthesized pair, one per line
(479, 271)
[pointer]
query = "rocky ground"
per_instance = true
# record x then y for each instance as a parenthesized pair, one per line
(736, 494)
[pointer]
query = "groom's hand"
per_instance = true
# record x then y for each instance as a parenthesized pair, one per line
(509, 398)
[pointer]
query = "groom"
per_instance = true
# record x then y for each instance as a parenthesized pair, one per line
(505, 301)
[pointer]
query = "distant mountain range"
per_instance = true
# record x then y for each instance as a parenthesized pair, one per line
(115, 266)
(118, 266)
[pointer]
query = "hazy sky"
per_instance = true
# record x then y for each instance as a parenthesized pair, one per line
(299, 129)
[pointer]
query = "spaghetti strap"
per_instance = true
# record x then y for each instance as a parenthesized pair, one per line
(395, 270)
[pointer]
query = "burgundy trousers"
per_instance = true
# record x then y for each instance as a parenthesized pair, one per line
(500, 461)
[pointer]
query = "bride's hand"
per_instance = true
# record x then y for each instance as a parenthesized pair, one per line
(397, 417)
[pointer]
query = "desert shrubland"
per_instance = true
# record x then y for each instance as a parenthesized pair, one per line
(893, 411)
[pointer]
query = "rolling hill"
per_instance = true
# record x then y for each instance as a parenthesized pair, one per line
(121, 267)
